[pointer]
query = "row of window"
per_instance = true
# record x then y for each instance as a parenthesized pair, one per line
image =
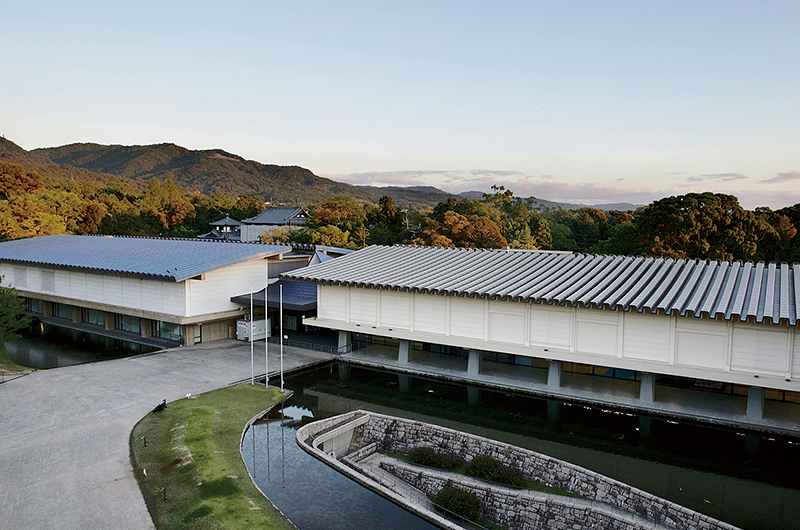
(95, 317)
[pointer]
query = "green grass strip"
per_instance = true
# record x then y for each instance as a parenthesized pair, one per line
(9, 367)
(192, 456)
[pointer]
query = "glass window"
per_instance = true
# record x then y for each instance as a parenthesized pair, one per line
(93, 316)
(128, 323)
(168, 330)
(63, 311)
(33, 305)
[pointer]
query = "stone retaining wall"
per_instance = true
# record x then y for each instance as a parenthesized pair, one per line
(521, 509)
(400, 435)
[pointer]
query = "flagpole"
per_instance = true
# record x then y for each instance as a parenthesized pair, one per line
(281, 313)
(251, 330)
(268, 328)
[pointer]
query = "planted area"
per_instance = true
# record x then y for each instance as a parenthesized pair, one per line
(460, 502)
(487, 468)
(427, 456)
(186, 459)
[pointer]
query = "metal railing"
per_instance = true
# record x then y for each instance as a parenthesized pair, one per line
(333, 350)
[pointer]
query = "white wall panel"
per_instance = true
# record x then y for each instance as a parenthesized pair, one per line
(364, 305)
(62, 283)
(759, 349)
(77, 287)
(646, 336)
(796, 355)
(467, 317)
(507, 321)
(333, 302)
(112, 290)
(396, 309)
(597, 331)
(430, 313)
(551, 325)
(213, 293)
(701, 342)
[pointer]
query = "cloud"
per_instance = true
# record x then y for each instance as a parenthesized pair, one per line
(782, 177)
(550, 188)
(722, 177)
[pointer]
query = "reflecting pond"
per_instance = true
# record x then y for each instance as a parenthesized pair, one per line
(746, 480)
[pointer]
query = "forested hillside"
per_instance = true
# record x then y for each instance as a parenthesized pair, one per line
(208, 172)
(41, 196)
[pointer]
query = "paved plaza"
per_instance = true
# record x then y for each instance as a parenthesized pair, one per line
(64, 458)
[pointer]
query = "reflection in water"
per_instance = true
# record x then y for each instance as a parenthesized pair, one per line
(708, 470)
(312, 495)
(40, 353)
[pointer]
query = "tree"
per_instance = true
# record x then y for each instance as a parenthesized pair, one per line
(697, 225)
(14, 177)
(459, 231)
(12, 318)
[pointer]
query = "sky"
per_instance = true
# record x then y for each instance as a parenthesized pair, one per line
(583, 102)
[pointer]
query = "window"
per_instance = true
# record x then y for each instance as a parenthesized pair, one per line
(33, 305)
(290, 322)
(62, 311)
(49, 281)
(128, 323)
(168, 330)
(20, 277)
(93, 316)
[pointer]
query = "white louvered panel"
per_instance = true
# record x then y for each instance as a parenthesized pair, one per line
(550, 325)
(701, 342)
(507, 327)
(396, 309)
(77, 287)
(646, 336)
(112, 290)
(796, 355)
(759, 350)
(467, 317)
(364, 306)
(333, 302)
(430, 313)
(132, 292)
(62, 283)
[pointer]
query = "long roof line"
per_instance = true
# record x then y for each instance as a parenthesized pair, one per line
(745, 291)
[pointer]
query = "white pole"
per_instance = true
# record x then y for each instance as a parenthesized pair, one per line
(281, 313)
(267, 326)
(250, 330)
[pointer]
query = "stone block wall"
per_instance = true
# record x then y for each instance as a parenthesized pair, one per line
(399, 435)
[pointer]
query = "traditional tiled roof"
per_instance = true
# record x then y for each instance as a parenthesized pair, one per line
(278, 215)
(226, 221)
(758, 291)
(172, 260)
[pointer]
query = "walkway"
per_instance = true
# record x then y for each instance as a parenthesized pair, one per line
(64, 458)
(719, 409)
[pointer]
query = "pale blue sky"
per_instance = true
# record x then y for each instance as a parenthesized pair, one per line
(572, 101)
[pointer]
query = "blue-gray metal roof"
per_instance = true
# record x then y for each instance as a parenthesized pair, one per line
(171, 260)
(297, 296)
(758, 291)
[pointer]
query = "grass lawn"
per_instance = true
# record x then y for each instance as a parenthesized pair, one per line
(9, 367)
(192, 456)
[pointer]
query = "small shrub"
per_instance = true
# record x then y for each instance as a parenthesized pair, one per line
(458, 501)
(425, 456)
(449, 461)
(487, 468)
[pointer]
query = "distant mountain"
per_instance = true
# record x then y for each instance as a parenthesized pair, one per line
(412, 196)
(206, 171)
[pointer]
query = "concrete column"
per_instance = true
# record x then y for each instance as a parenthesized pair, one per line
(645, 423)
(647, 388)
(187, 334)
(77, 315)
(755, 403)
(404, 382)
(554, 374)
(474, 362)
(553, 410)
(109, 320)
(344, 372)
(146, 327)
(405, 352)
(473, 396)
(345, 341)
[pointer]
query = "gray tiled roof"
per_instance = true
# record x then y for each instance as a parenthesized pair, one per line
(763, 292)
(172, 260)
(278, 215)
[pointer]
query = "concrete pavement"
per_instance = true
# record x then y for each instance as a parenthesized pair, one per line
(64, 458)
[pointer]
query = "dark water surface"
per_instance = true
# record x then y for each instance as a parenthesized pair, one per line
(743, 479)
